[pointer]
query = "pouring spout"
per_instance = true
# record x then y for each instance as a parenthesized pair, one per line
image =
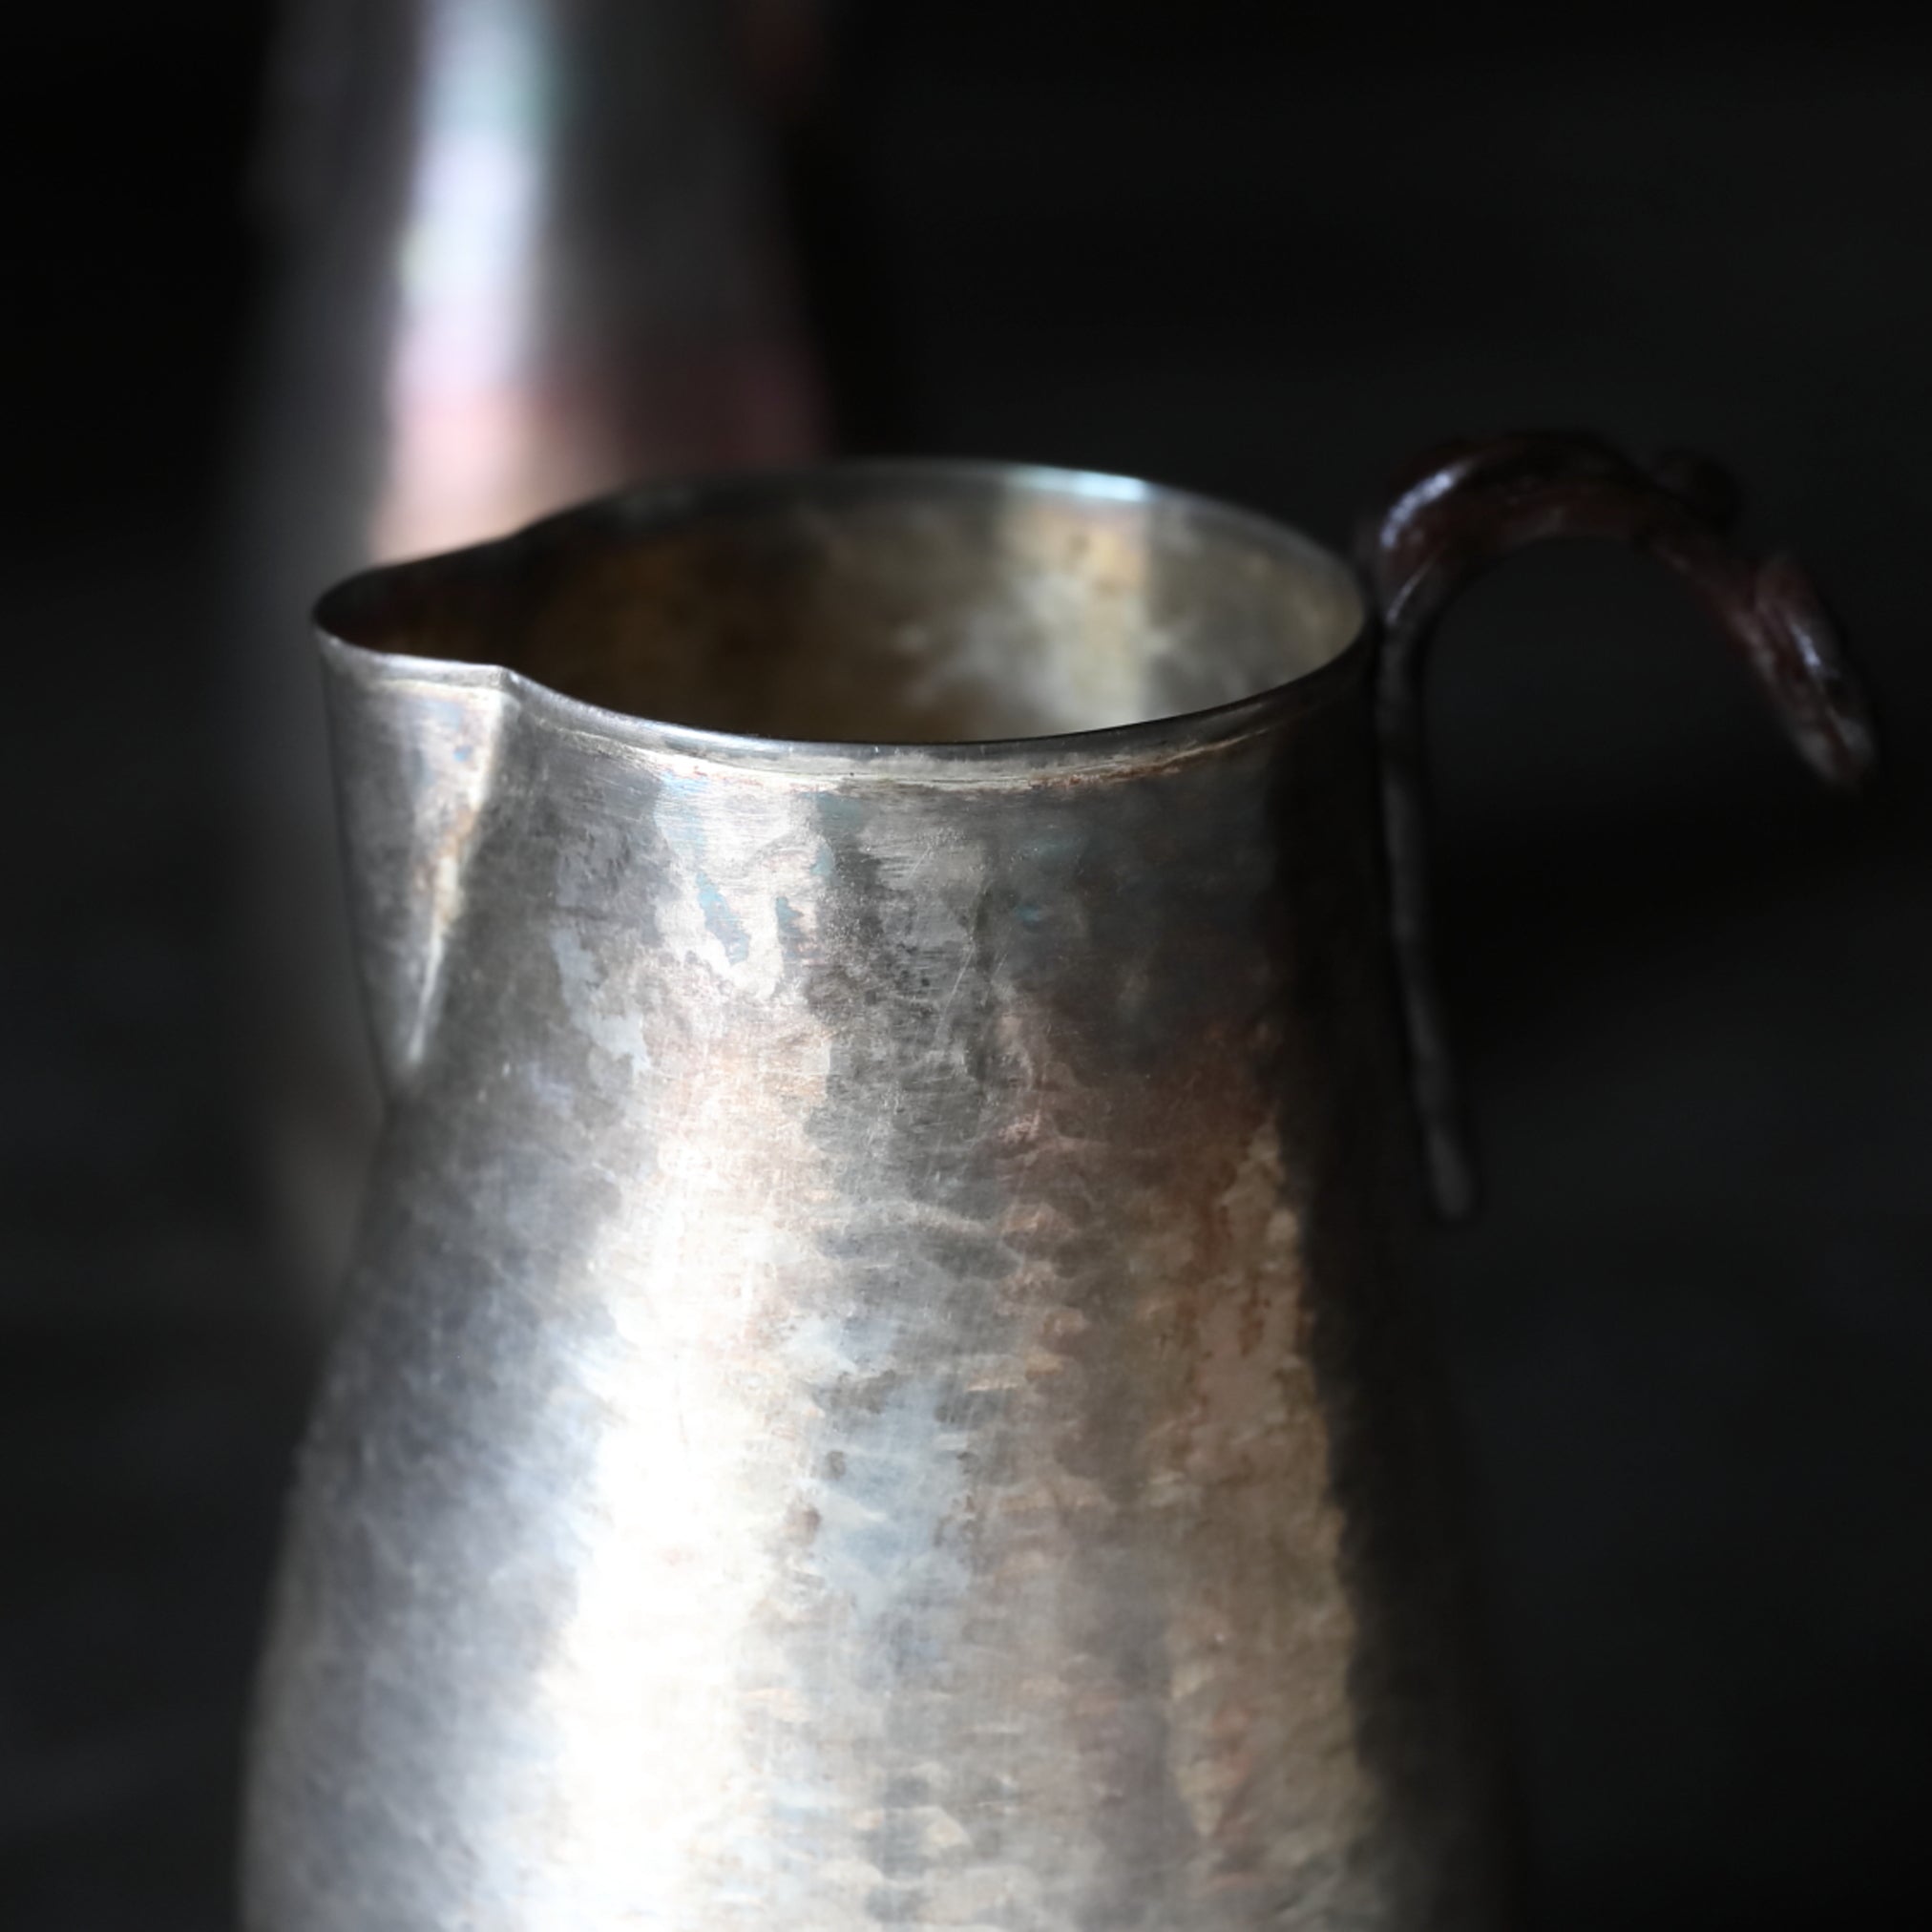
(416, 755)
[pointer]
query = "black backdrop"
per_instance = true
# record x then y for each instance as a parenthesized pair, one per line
(1266, 252)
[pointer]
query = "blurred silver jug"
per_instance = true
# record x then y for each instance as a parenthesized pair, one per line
(523, 251)
(878, 1386)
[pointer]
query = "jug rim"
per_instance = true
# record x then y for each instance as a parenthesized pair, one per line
(346, 615)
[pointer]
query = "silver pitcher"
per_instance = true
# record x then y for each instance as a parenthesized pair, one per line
(879, 1387)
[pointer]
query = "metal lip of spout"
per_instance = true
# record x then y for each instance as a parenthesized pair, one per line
(1140, 624)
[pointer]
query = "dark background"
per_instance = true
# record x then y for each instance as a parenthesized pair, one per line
(1266, 252)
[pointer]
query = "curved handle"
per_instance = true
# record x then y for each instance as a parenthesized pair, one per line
(1468, 505)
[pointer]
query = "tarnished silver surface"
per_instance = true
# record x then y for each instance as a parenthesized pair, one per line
(877, 1387)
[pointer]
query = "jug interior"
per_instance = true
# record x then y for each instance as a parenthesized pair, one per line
(880, 603)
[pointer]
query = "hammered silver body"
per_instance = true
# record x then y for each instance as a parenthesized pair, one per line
(877, 1387)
